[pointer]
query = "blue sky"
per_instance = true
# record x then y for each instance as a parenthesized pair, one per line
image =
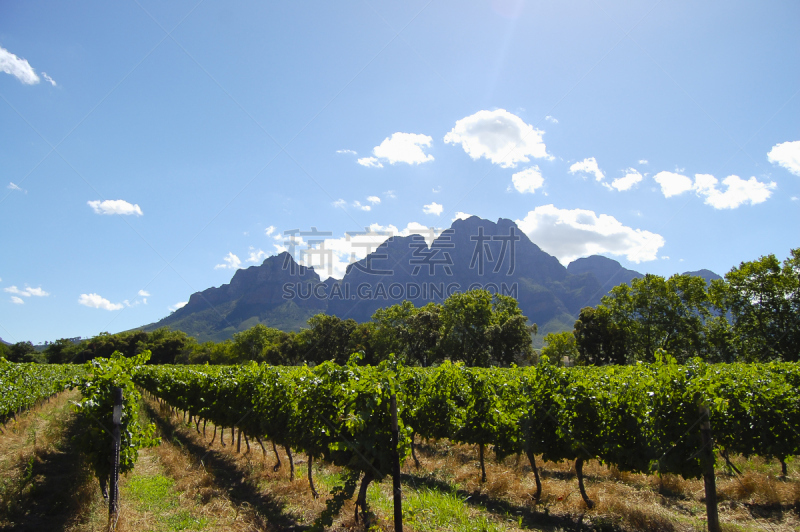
(147, 149)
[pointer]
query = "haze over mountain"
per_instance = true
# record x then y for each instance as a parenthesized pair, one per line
(472, 253)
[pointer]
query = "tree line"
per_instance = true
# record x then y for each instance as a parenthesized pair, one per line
(752, 315)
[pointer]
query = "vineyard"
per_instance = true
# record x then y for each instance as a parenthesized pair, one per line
(642, 419)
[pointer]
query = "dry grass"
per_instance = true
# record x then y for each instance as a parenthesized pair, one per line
(756, 500)
(45, 485)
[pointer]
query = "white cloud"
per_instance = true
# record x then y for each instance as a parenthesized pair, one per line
(144, 293)
(357, 204)
(256, 255)
(27, 291)
(627, 181)
(332, 256)
(178, 305)
(432, 208)
(232, 262)
(269, 230)
(794, 198)
(17, 67)
(673, 184)
(643, 161)
(390, 194)
(340, 203)
(461, 216)
(370, 162)
(404, 148)
(570, 234)
(96, 301)
(114, 207)
(17, 300)
(737, 191)
(12, 186)
(499, 136)
(436, 190)
(347, 152)
(588, 166)
(47, 78)
(373, 199)
(528, 180)
(551, 119)
(786, 154)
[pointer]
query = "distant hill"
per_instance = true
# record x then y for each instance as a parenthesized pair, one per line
(4, 342)
(708, 275)
(472, 253)
(608, 272)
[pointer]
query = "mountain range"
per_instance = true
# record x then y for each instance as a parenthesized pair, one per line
(473, 252)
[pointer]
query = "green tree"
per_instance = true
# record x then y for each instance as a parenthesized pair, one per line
(409, 332)
(598, 339)
(327, 338)
(466, 319)
(480, 329)
(559, 346)
(253, 343)
(656, 313)
(62, 351)
(24, 352)
(762, 298)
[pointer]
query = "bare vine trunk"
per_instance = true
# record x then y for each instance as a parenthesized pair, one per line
(579, 472)
(277, 465)
(361, 500)
(291, 462)
(481, 448)
(532, 460)
(311, 476)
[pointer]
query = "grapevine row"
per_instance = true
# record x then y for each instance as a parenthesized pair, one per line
(25, 385)
(642, 418)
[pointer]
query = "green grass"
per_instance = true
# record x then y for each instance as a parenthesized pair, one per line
(431, 510)
(155, 494)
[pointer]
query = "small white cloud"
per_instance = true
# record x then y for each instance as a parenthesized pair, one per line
(588, 166)
(144, 293)
(232, 262)
(347, 152)
(643, 161)
(357, 204)
(256, 255)
(786, 154)
(373, 199)
(390, 194)
(528, 180)
(404, 148)
(737, 191)
(551, 119)
(96, 301)
(49, 79)
(627, 181)
(17, 300)
(673, 184)
(570, 234)
(178, 305)
(12, 186)
(436, 190)
(370, 162)
(664, 257)
(432, 208)
(17, 67)
(499, 136)
(269, 230)
(114, 207)
(340, 203)
(27, 291)
(794, 198)
(461, 216)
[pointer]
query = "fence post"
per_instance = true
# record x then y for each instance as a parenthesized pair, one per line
(398, 494)
(707, 461)
(113, 495)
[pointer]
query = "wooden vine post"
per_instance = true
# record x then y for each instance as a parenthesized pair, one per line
(707, 460)
(113, 495)
(396, 489)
